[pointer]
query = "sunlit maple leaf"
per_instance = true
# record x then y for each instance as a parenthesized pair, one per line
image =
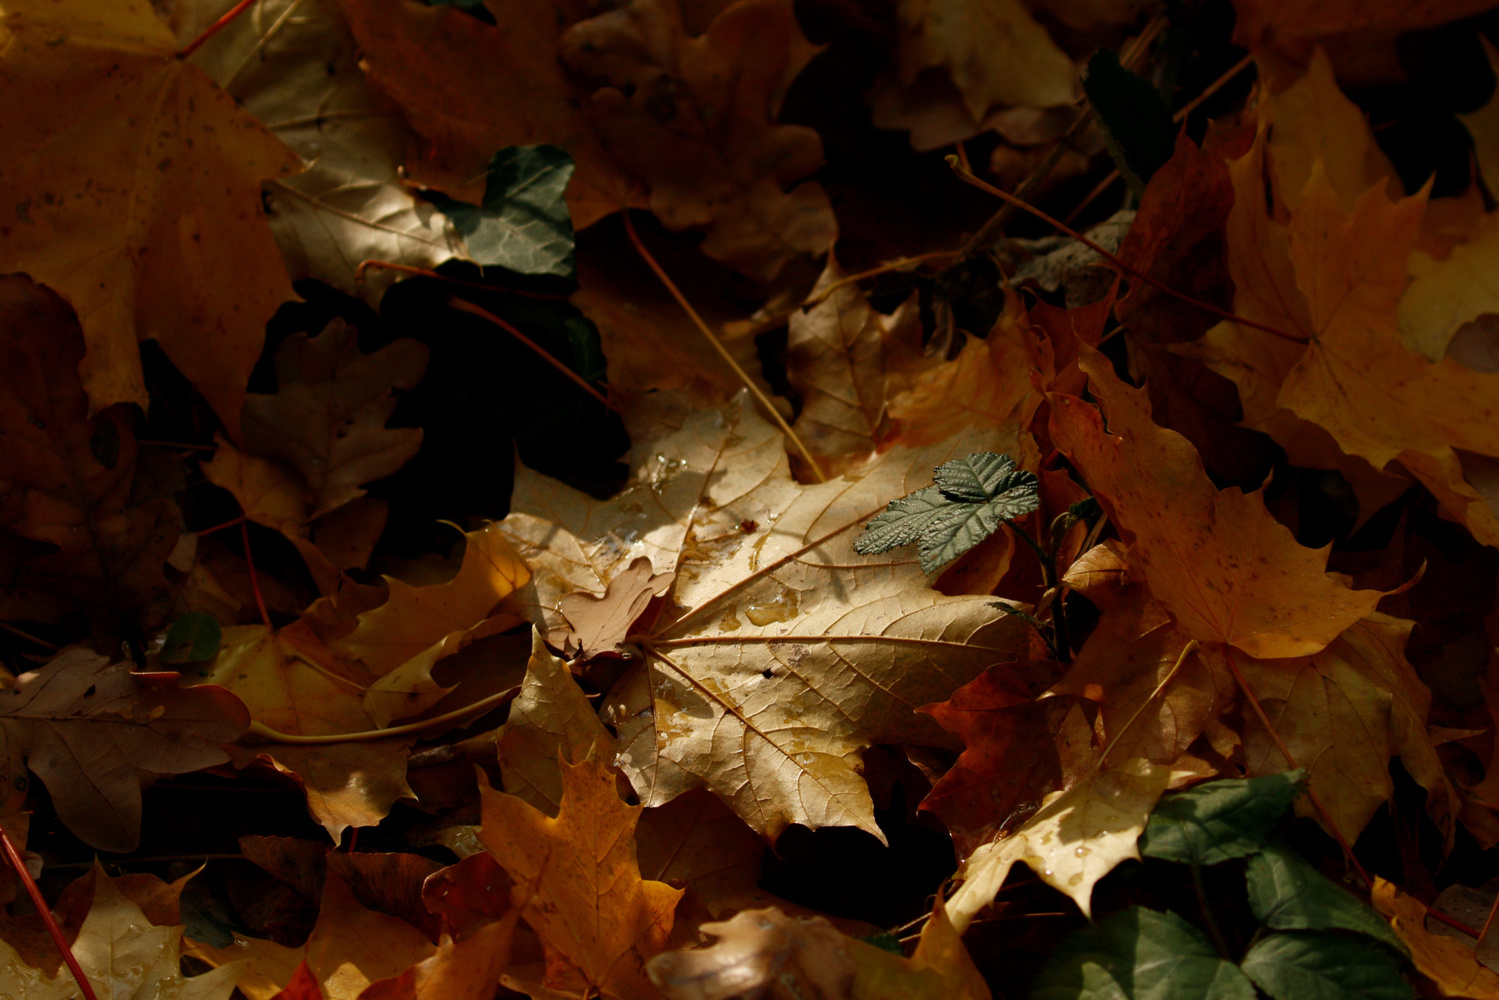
(790, 653)
(349, 948)
(136, 186)
(1217, 560)
(74, 537)
(464, 969)
(89, 728)
(584, 894)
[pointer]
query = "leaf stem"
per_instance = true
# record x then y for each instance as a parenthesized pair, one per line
(269, 735)
(463, 305)
(894, 265)
(23, 634)
(244, 535)
(215, 28)
(1187, 650)
(45, 912)
(1208, 919)
(723, 352)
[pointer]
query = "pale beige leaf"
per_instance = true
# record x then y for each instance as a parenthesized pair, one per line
(600, 624)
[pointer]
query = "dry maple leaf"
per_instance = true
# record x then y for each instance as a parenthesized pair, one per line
(135, 186)
(88, 728)
(760, 952)
(465, 969)
(1217, 560)
(792, 653)
(73, 536)
(293, 64)
(124, 955)
(1446, 961)
(584, 894)
(327, 417)
(350, 947)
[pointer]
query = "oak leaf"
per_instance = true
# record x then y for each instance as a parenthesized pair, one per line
(600, 624)
(791, 652)
(136, 191)
(584, 894)
(124, 955)
(88, 728)
(349, 948)
(294, 65)
(1221, 565)
(73, 534)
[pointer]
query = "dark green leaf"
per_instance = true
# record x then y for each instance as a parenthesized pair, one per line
(1287, 893)
(885, 941)
(1136, 124)
(523, 225)
(1312, 966)
(1139, 954)
(1219, 820)
(972, 498)
(193, 638)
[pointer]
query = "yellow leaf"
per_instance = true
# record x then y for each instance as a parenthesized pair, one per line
(1445, 961)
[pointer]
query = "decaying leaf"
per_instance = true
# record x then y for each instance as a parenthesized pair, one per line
(136, 183)
(88, 728)
(582, 885)
(791, 652)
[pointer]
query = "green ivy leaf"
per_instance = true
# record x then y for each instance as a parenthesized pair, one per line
(523, 225)
(1312, 966)
(193, 638)
(1219, 820)
(1136, 123)
(1139, 954)
(972, 498)
(1288, 894)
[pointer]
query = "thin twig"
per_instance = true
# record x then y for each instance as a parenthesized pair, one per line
(221, 527)
(215, 28)
(269, 735)
(1062, 227)
(45, 912)
(463, 305)
(894, 265)
(422, 272)
(244, 535)
(23, 634)
(723, 352)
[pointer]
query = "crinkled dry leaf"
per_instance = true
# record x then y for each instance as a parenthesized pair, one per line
(760, 953)
(600, 624)
(138, 188)
(88, 728)
(580, 881)
(293, 65)
(792, 652)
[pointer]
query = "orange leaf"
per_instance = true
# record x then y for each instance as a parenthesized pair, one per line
(1445, 961)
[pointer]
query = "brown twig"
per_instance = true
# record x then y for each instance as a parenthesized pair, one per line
(894, 265)
(723, 352)
(45, 912)
(269, 735)
(463, 305)
(23, 634)
(221, 527)
(215, 28)
(244, 536)
(422, 272)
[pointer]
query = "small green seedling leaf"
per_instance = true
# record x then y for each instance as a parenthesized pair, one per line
(1305, 965)
(972, 498)
(523, 225)
(1139, 954)
(193, 638)
(1288, 894)
(1136, 123)
(1219, 820)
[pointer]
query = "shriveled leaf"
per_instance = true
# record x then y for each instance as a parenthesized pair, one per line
(1309, 966)
(1139, 954)
(755, 949)
(88, 728)
(795, 652)
(523, 225)
(294, 65)
(124, 956)
(600, 624)
(586, 897)
(1221, 819)
(1075, 838)
(152, 226)
(1288, 894)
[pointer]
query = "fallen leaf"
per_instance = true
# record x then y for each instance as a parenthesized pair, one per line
(1446, 962)
(1076, 838)
(995, 52)
(1217, 560)
(303, 985)
(760, 950)
(123, 954)
(294, 65)
(349, 948)
(76, 536)
(465, 969)
(600, 624)
(794, 652)
(696, 842)
(549, 721)
(522, 225)
(327, 418)
(89, 728)
(151, 224)
(939, 969)
(579, 878)
(474, 892)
